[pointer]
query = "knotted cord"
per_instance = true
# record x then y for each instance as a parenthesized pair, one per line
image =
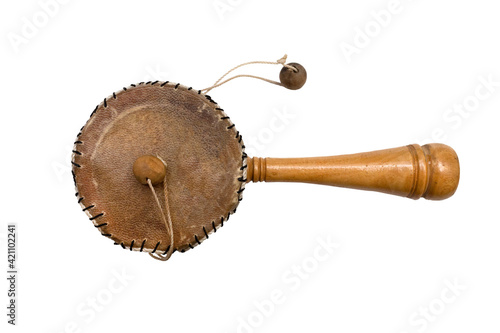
(281, 61)
(165, 215)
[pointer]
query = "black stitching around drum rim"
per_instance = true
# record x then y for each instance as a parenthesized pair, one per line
(196, 240)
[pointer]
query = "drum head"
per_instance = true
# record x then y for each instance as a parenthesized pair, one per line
(204, 153)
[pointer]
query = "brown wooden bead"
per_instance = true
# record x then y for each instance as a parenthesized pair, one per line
(149, 167)
(291, 79)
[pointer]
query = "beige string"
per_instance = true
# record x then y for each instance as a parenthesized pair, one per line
(167, 218)
(280, 61)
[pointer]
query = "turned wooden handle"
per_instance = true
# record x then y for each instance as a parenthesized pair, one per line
(431, 171)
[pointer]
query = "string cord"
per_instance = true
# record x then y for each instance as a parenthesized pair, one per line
(281, 61)
(165, 215)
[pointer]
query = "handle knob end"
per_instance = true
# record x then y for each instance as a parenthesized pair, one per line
(444, 171)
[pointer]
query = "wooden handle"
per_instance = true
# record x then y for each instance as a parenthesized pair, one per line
(431, 171)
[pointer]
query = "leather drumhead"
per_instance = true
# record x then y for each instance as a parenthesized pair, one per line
(204, 153)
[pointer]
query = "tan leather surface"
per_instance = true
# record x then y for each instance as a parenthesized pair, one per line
(205, 166)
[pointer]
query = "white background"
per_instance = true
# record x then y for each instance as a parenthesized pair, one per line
(396, 257)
